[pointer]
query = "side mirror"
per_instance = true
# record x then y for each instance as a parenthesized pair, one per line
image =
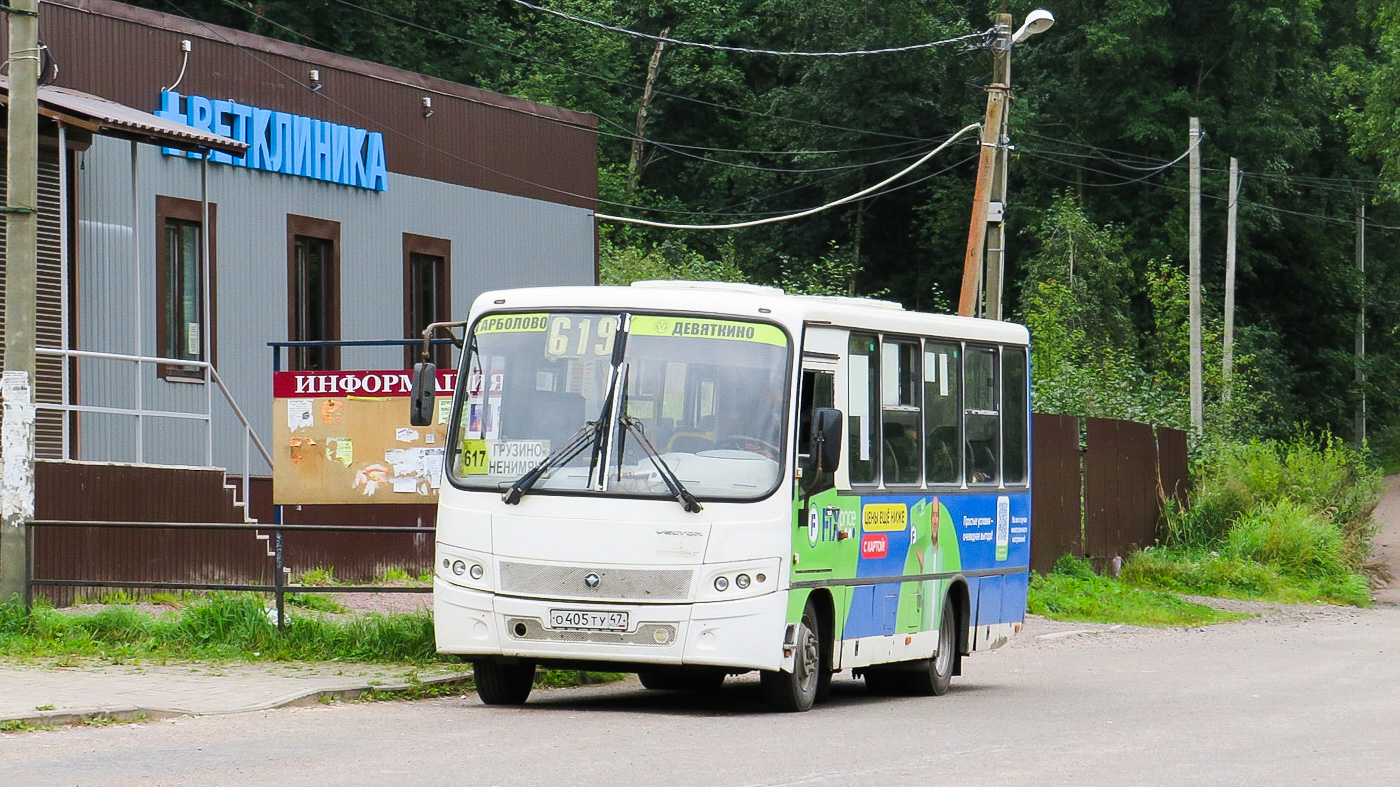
(826, 439)
(420, 411)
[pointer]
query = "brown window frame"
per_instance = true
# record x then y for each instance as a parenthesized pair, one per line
(187, 211)
(431, 247)
(328, 231)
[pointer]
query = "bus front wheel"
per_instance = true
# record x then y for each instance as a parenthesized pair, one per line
(504, 684)
(794, 692)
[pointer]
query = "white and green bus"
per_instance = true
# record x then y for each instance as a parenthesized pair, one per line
(692, 480)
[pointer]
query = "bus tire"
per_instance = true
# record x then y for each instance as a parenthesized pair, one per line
(504, 684)
(794, 692)
(935, 679)
(682, 679)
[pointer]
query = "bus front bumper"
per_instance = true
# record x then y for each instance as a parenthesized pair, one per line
(741, 634)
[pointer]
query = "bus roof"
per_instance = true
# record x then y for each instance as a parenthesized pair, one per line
(753, 301)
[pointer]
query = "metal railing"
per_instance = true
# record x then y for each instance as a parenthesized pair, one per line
(278, 588)
(140, 411)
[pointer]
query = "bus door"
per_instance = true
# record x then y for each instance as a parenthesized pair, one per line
(825, 542)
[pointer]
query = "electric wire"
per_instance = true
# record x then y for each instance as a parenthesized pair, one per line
(608, 80)
(984, 35)
(756, 167)
(804, 213)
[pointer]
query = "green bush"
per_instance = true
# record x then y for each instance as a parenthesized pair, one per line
(1320, 473)
(1289, 536)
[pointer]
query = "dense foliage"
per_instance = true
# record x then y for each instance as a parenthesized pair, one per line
(1303, 93)
(1280, 520)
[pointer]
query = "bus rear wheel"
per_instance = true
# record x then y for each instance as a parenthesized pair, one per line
(936, 678)
(498, 683)
(794, 692)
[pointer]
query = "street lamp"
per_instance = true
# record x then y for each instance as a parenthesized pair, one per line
(985, 235)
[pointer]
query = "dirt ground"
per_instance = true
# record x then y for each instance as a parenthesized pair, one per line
(1385, 548)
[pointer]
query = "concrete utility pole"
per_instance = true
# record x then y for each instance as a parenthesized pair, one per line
(984, 264)
(1361, 324)
(21, 253)
(1197, 408)
(1229, 364)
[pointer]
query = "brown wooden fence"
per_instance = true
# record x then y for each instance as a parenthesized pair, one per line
(1106, 498)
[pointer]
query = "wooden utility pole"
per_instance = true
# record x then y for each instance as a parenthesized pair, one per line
(1361, 324)
(635, 166)
(1229, 364)
(993, 131)
(21, 253)
(1197, 408)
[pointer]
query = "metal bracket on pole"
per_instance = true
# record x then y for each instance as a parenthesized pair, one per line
(15, 209)
(17, 11)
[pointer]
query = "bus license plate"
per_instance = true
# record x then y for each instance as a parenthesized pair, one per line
(587, 620)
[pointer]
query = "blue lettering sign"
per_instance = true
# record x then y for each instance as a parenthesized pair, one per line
(283, 142)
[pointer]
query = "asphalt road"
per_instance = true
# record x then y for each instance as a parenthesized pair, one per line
(1300, 694)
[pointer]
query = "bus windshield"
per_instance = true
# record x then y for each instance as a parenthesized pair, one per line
(708, 395)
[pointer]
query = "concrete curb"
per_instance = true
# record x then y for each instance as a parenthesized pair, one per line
(346, 693)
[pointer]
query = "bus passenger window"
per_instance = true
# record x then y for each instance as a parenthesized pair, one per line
(1013, 387)
(861, 423)
(981, 416)
(902, 442)
(942, 415)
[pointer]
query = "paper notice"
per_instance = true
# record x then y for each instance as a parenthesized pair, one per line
(430, 438)
(332, 412)
(406, 435)
(340, 449)
(406, 461)
(405, 484)
(444, 410)
(298, 414)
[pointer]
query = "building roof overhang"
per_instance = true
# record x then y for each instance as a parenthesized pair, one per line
(108, 118)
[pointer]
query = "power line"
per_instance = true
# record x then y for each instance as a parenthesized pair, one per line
(985, 35)
(1126, 181)
(739, 165)
(610, 80)
(800, 214)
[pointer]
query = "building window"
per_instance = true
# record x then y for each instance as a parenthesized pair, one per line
(181, 323)
(427, 293)
(313, 290)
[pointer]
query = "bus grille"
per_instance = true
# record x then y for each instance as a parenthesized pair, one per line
(646, 634)
(614, 584)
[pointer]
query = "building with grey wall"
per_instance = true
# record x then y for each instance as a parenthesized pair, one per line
(368, 202)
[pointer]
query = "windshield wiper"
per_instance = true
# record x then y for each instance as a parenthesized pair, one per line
(566, 453)
(673, 483)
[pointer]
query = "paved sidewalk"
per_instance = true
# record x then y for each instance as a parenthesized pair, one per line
(46, 695)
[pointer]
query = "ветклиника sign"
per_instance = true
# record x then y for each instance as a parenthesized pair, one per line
(283, 142)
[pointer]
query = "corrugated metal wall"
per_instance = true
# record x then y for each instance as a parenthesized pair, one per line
(1121, 510)
(50, 317)
(474, 137)
(74, 491)
(1057, 485)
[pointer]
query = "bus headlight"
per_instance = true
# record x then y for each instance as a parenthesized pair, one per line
(739, 580)
(464, 568)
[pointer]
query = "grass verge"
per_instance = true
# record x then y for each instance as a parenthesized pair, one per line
(218, 627)
(1072, 591)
